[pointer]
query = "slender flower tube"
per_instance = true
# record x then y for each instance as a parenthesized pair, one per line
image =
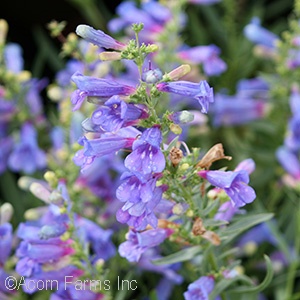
(200, 91)
(99, 38)
(96, 87)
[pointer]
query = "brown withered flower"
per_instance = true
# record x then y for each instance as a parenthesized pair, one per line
(176, 156)
(215, 153)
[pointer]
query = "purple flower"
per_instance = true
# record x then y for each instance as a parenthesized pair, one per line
(138, 242)
(98, 238)
(26, 155)
(226, 211)
(233, 110)
(117, 113)
(141, 196)
(247, 165)
(6, 146)
(146, 156)
(71, 291)
(200, 289)
(233, 183)
(206, 55)
(292, 141)
(33, 98)
(289, 161)
(200, 91)
(13, 58)
(258, 234)
(6, 237)
(104, 145)
(99, 38)
(96, 87)
(295, 100)
(259, 35)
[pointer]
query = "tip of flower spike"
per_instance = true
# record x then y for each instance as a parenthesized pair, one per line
(82, 30)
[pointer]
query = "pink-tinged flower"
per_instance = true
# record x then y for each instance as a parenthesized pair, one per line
(200, 91)
(99, 38)
(235, 184)
(200, 289)
(138, 242)
(96, 87)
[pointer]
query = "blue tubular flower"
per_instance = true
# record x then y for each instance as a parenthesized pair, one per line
(141, 196)
(104, 145)
(146, 156)
(200, 289)
(200, 91)
(138, 242)
(289, 161)
(233, 183)
(98, 238)
(99, 38)
(96, 87)
(233, 110)
(6, 146)
(5, 242)
(259, 35)
(13, 58)
(117, 113)
(292, 141)
(208, 56)
(26, 155)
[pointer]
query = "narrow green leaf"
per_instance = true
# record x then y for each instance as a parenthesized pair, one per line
(246, 222)
(182, 255)
(260, 287)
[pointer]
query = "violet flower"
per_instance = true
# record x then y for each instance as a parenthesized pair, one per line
(138, 242)
(26, 155)
(200, 289)
(96, 87)
(259, 35)
(116, 113)
(233, 183)
(289, 161)
(200, 91)
(206, 55)
(146, 156)
(99, 38)
(141, 196)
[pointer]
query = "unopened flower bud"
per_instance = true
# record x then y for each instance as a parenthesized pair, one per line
(175, 128)
(3, 31)
(178, 209)
(110, 55)
(181, 117)
(179, 72)
(51, 178)
(6, 212)
(152, 76)
(54, 93)
(151, 48)
(34, 213)
(40, 191)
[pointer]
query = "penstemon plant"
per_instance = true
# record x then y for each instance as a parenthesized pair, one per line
(133, 207)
